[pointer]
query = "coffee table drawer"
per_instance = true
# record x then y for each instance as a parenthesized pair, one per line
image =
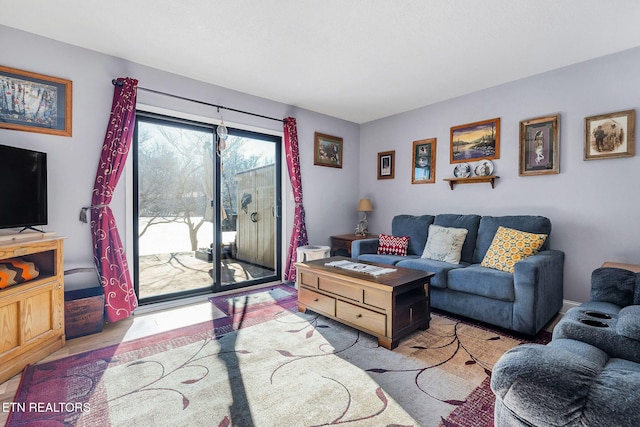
(377, 298)
(361, 317)
(316, 301)
(340, 288)
(308, 279)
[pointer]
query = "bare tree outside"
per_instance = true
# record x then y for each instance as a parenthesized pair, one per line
(171, 188)
(172, 184)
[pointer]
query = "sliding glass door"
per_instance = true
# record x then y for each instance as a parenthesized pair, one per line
(206, 220)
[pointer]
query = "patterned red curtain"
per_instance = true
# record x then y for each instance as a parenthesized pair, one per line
(299, 233)
(120, 298)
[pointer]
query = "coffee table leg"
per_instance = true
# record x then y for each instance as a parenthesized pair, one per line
(387, 343)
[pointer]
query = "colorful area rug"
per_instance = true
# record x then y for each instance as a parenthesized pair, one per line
(265, 364)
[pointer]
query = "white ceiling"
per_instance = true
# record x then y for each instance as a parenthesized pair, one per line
(359, 60)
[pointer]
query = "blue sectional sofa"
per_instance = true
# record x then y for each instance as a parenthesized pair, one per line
(523, 301)
(589, 374)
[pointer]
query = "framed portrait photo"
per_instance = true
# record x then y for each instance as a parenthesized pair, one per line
(610, 135)
(34, 102)
(386, 165)
(475, 141)
(423, 161)
(327, 150)
(540, 146)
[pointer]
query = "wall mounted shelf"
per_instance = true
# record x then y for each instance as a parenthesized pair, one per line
(472, 180)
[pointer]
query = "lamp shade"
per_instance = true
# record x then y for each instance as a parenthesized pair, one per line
(365, 206)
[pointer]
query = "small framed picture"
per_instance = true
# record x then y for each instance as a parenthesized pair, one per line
(475, 141)
(423, 161)
(540, 146)
(609, 135)
(386, 165)
(34, 102)
(327, 150)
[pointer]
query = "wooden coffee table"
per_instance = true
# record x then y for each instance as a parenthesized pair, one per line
(388, 306)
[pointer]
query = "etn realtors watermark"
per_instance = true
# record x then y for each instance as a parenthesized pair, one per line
(46, 407)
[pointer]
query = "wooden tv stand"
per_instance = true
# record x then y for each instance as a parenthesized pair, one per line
(388, 306)
(32, 313)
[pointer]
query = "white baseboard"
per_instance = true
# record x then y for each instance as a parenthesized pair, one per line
(567, 304)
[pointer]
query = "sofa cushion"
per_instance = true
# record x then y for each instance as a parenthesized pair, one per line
(416, 227)
(614, 285)
(482, 281)
(510, 246)
(384, 259)
(489, 225)
(629, 322)
(471, 223)
(444, 243)
(392, 245)
(440, 268)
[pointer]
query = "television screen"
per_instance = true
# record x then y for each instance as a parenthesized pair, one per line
(23, 187)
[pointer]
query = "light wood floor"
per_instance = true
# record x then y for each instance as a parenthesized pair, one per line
(144, 323)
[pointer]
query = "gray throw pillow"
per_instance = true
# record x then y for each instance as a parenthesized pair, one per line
(445, 244)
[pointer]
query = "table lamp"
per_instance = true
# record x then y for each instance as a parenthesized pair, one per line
(363, 206)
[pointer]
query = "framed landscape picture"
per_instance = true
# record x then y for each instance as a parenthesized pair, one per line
(609, 135)
(327, 150)
(386, 165)
(34, 102)
(423, 161)
(475, 141)
(540, 146)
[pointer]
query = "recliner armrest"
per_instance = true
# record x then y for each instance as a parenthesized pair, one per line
(566, 382)
(629, 322)
(364, 246)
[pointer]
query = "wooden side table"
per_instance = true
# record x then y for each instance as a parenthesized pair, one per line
(341, 244)
(631, 267)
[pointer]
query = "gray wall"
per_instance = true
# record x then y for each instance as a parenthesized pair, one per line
(330, 194)
(593, 205)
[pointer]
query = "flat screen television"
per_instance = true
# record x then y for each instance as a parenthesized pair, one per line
(23, 187)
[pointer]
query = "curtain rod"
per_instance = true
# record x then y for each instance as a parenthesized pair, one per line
(119, 83)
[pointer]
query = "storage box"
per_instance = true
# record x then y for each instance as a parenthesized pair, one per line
(83, 312)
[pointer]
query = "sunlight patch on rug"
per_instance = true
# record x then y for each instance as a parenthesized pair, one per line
(255, 299)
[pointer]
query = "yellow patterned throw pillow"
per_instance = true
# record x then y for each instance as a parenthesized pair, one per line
(510, 246)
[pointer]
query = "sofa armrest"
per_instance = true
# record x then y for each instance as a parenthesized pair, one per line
(538, 285)
(364, 246)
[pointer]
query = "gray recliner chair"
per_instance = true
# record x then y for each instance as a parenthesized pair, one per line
(589, 374)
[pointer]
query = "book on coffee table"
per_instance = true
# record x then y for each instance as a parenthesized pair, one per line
(360, 267)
